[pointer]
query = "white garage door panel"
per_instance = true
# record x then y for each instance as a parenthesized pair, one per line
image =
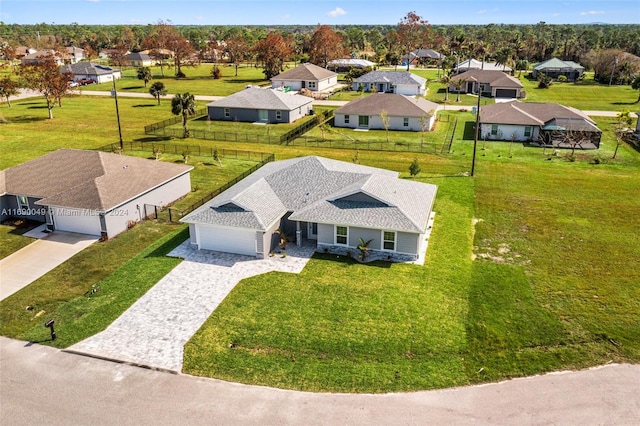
(75, 220)
(230, 240)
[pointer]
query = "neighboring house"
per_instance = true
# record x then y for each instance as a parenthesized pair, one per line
(137, 59)
(541, 123)
(109, 53)
(490, 83)
(260, 106)
(22, 51)
(343, 65)
(403, 112)
(306, 76)
(472, 64)
(95, 72)
(400, 82)
(89, 192)
(422, 56)
(75, 54)
(554, 68)
(330, 203)
(34, 58)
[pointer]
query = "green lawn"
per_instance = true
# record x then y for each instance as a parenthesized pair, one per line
(197, 82)
(12, 239)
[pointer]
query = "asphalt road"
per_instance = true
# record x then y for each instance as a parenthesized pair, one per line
(41, 385)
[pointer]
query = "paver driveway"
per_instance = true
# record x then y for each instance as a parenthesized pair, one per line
(154, 330)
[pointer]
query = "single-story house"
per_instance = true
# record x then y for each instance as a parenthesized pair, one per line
(137, 59)
(34, 58)
(541, 123)
(260, 106)
(490, 83)
(343, 65)
(472, 64)
(22, 51)
(97, 73)
(554, 68)
(89, 192)
(306, 76)
(109, 53)
(422, 56)
(76, 54)
(400, 82)
(403, 112)
(330, 203)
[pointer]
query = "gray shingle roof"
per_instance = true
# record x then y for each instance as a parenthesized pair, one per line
(306, 72)
(255, 98)
(486, 66)
(87, 68)
(314, 189)
(393, 77)
(492, 77)
(555, 63)
(396, 106)
(535, 114)
(87, 179)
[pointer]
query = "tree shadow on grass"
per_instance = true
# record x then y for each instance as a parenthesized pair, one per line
(26, 119)
(132, 87)
(151, 139)
(144, 105)
(624, 103)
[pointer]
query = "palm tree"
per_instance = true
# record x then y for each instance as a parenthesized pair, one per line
(157, 89)
(144, 73)
(457, 84)
(184, 104)
(446, 80)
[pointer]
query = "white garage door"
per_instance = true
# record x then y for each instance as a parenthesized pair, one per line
(76, 220)
(229, 240)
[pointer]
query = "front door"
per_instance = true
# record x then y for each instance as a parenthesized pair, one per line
(263, 115)
(312, 231)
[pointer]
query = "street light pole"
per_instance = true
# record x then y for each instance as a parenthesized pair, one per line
(114, 92)
(475, 134)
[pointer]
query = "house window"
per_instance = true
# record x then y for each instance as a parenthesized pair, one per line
(311, 85)
(389, 240)
(346, 119)
(23, 202)
(494, 129)
(528, 130)
(278, 115)
(363, 121)
(227, 112)
(341, 235)
(405, 122)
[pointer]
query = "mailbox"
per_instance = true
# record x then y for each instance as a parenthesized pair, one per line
(49, 324)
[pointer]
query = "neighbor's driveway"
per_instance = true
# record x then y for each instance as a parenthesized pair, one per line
(154, 330)
(33, 261)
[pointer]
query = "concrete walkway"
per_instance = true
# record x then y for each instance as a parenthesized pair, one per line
(33, 261)
(154, 330)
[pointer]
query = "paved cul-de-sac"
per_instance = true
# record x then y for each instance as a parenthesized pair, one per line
(153, 331)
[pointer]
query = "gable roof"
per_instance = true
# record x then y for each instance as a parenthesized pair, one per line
(317, 189)
(492, 77)
(307, 72)
(137, 56)
(256, 98)
(87, 179)
(396, 105)
(487, 66)
(424, 53)
(350, 62)
(557, 64)
(536, 114)
(393, 77)
(87, 68)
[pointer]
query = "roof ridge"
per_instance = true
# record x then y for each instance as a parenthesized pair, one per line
(513, 105)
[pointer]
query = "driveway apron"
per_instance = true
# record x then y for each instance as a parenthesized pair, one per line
(33, 261)
(154, 330)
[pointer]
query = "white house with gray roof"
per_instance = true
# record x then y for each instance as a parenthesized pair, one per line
(96, 72)
(89, 192)
(332, 203)
(306, 76)
(260, 106)
(400, 82)
(403, 112)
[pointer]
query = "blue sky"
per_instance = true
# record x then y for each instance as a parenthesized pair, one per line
(311, 12)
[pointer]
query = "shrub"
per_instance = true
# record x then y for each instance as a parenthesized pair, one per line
(562, 78)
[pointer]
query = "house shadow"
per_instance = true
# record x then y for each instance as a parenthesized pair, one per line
(469, 130)
(151, 139)
(144, 105)
(350, 260)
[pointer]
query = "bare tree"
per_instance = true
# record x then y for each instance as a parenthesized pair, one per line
(8, 88)
(45, 77)
(411, 32)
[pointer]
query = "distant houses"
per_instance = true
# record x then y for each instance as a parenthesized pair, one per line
(473, 64)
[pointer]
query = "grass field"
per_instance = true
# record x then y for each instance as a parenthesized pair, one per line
(530, 269)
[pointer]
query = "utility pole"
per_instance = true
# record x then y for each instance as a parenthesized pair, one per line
(114, 92)
(615, 62)
(475, 134)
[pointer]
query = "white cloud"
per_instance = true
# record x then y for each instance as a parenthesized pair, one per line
(593, 12)
(555, 14)
(482, 12)
(338, 11)
(92, 1)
